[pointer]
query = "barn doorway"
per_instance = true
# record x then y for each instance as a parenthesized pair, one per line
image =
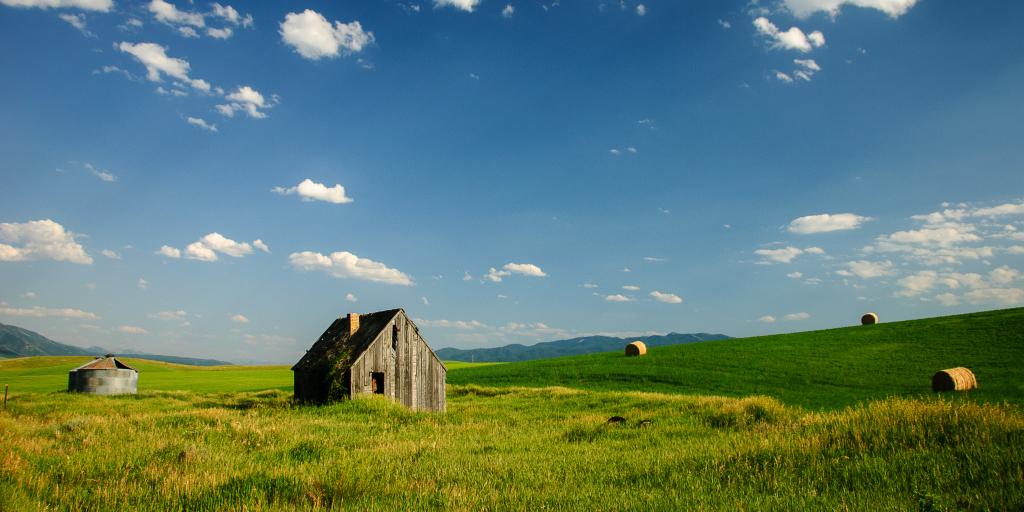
(377, 382)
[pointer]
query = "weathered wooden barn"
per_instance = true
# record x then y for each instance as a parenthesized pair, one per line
(378, 353)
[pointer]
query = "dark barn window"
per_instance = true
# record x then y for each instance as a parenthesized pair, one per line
(378, 382)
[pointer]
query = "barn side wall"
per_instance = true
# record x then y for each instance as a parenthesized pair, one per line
(413, 376)
(378, 357)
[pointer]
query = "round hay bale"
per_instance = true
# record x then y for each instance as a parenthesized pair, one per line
(637, 348)
(954, 379)
(869, 319)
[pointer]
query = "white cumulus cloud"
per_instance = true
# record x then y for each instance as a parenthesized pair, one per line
(669, 298)
(130, 329)
(793, 317)
(310, 190)
(917, 284)
(825, 222)
(40, 312)
(782, 255)
(314, 38)
(766, 319)
(207, 247)
(88, 5)
(157, 63)
(1004, 275)
(804, 8)
(344, 264)
(248, 100)
(201, 123)
(40, 240)
(526, 269)
(463, 5)
(177, 315)
(230, 15)
(1001, 210)
(792, 39)
(867, 269)
(166, 12)
(168, 251)
(996, 296)
(239, 319)
(618, 298)
(464, 325)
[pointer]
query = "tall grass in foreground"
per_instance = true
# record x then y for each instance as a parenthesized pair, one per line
(506, 448)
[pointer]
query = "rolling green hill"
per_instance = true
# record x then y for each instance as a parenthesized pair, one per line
(570, 347)
(19, 342)
(818, 369)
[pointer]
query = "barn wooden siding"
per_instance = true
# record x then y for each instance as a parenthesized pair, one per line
(413, 375)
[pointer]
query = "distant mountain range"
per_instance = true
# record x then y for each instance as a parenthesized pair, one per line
(18, 342)
(571, 347)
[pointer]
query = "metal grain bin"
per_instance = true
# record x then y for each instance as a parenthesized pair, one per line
(104, 376)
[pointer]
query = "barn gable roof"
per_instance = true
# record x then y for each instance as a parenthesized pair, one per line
(343, 349)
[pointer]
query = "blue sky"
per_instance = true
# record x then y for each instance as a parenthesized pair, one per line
(222, 180)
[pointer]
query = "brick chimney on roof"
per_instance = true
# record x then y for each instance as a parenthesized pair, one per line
(353, 323)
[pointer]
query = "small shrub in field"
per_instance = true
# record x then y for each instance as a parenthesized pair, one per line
(749, 412)
(473, 389)
(306, 451)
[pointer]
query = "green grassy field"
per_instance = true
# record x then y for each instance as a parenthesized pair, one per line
(505, 448)
(535, 435)
(49, 374)
(819, 369)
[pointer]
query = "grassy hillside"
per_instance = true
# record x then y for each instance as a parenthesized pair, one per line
(819, 369)
(48, 374)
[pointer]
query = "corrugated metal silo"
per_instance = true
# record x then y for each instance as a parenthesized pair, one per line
(104, 376)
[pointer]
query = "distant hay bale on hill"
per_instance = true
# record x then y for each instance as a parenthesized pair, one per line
(869, 319)
(637, 348)
(954, 379)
